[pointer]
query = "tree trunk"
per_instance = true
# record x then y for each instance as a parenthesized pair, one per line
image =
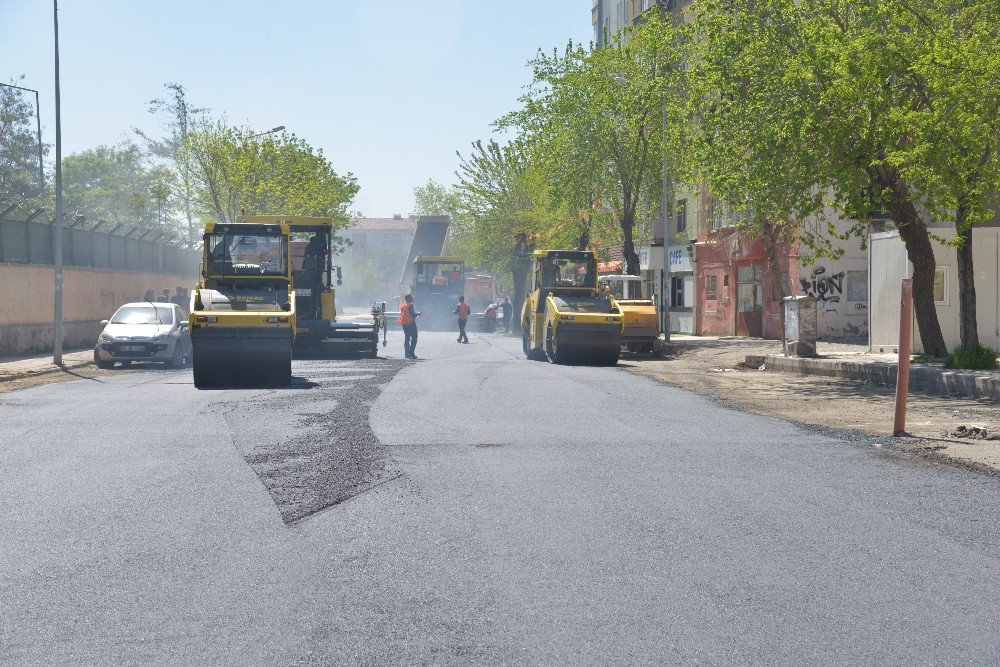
(921, 253)
(518, 279)
(917, 240)
(629, 254)
(774, 265)
(968, 326)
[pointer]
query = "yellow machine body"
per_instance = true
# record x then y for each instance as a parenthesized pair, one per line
(242, 318)
(566, 317)
(641, 332)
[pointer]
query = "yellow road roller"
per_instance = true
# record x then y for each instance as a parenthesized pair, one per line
(641, 332)
(242, 319)
(566, 318)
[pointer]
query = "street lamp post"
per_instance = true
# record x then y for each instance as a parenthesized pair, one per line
(38, 129)
(271, 131)
(57, 258)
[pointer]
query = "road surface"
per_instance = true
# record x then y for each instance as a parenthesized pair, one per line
(473, 507)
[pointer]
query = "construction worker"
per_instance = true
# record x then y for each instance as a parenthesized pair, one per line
(408, 319)
(506, 310)
(462, 310)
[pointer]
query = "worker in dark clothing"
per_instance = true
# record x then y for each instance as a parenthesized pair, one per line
(313, 254)
(462, 310)
(180, 299)
(506, 310)
(164, 296)
(408, 319)
(150, 295)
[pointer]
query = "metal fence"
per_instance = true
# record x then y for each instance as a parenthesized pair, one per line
(29, 241)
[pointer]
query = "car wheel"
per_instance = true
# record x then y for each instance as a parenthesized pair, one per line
(103, 365)
(177, 358)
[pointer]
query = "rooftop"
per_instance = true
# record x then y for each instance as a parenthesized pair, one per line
(384, 224)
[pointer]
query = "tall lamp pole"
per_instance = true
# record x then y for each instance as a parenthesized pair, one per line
(271, 131)
(57, 258)
(38, 129)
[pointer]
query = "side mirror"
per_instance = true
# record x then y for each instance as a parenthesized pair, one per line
(104, 323)
(184, 324)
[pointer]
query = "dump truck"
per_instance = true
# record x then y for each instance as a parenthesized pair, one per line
(437, 283)
(242, 318)
(315, 277)
(641, 331)
(567, 317)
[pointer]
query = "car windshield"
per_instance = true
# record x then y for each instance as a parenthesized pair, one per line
(247, 254)
(569, 272)
(144, 315)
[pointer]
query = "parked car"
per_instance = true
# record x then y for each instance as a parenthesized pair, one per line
(144, 331)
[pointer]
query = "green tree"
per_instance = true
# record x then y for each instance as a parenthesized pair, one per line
(178, 117)
(498, 204)
(741, 137)
(19, 175)
(432, 198)
(235, 170)
(110, 182)
(951, 156)
(597, 117)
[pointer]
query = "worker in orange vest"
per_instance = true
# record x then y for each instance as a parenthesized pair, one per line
(408, 319)
(462, 310)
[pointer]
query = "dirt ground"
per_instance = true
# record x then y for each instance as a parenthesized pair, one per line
(713, 367)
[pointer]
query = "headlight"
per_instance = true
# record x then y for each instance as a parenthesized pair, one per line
(160, 336)
(105, 337)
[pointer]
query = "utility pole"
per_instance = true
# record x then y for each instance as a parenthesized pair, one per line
(57, 258)
(667, 288)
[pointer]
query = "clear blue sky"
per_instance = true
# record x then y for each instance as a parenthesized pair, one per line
(389, 89)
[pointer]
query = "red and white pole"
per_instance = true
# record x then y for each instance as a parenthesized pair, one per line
(903, 365)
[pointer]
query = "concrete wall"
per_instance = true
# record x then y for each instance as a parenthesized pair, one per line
(89, 296)
(986, 260)
(841, 288)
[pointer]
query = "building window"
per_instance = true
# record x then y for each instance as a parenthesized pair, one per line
(941, 286)
(676, 291)
(857, 286)
(682, 215)
(712, 288)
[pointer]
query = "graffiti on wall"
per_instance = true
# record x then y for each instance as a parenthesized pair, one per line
(825, 288)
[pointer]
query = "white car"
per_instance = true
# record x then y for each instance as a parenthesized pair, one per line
(144, 331)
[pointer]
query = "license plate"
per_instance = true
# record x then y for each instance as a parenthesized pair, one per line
(132, 348)
(303, 292)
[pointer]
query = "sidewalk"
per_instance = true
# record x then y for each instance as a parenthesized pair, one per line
(18, 372)
(718, 367)
(880, 369)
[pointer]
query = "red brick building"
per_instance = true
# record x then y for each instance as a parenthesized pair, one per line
(735, 295)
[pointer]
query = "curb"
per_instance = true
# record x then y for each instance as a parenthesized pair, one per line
(4, 377)
(927, 379)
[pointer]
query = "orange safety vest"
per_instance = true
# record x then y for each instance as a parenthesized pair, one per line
(463, 310)
(405, 314)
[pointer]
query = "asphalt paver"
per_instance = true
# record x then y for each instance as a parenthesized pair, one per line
(492, 510)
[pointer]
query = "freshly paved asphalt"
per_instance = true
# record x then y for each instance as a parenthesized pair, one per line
(473, 507)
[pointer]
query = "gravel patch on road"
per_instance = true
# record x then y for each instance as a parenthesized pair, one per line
(312, 445)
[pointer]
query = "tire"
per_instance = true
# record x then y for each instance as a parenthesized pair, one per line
(610, 358)
(201, 369)
(552, 350)
(530, 354)
(103, 365)
(177, 359)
